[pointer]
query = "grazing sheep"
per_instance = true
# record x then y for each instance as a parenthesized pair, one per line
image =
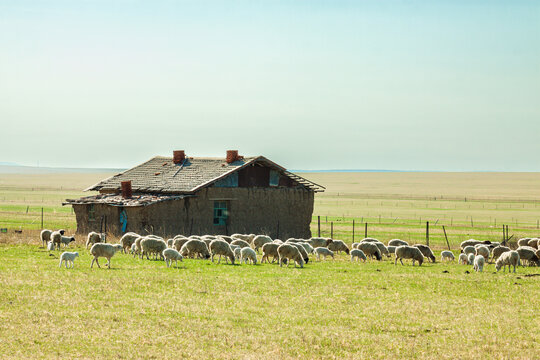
(534, 243)
(270, 249)
(483, 250)
(397, 242)
(372, 240)
(316, 242)
(68, 257)
(169, 255)
(289, 252)
(523, 242)
(228, 239)
(45, 236)
(56, 238)
(470, 259)
(391, 249)
(463, 259)
(354, 245)
(447, 255)
(382, 248)
(470, 242)
(134, 249)
(151, 245)
(246, 237)
(237, 253)
(302, 251)
(358, 254)
(138, 248)
(529, 254)
(370, 249)
(498, 251)
(409, 252)
(247, 254)
(221, 248)
(66, 240)
(50, 245)
(127, 240)
(479, 262)
(104, 250)
(426, 251)
(170, 243)
(322, 251)
(260, 240)
(307, 247)
(241, 243)
(337, 246)
(179, 242)
(195, 247)
(207, 242)
(93, 238)
(469, 250)
(507, 258)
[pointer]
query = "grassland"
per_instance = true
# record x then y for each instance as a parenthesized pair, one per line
(333, 309)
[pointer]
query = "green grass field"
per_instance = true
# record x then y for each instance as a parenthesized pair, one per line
(329, 309)
(333, 309)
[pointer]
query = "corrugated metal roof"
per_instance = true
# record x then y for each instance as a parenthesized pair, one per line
(161, 175)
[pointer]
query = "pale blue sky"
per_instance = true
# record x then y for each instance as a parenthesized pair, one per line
(411, 85)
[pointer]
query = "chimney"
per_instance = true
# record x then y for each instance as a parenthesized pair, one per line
(232, 156)
(126, 189)
(178, 156)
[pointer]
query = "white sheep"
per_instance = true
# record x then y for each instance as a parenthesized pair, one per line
(68, 257)
(370, 249)
(507, 258)
(50, 245)
(498, 251)
(245, 237)
(152, 245)
(358, 254)
(169, 255)
(470, 242)
(56, 238)
(447, 255)
(134, 249)
(534, 243)
(322, 251)
(470, 259)
(463, 259)
(409, 252)
(289, 252)
(382, 248)
(104, 250)
(523, 242)
(307, 247)
(237, 253)
(371, 240)
(170, 243)
(479, 262)
(337, 246)
(260, 240)
(66, 240)
(221, 248)
(483, 250)
(45, 236)
(241, 243)
(93, 238)
(195, 247)
(302, 251)
(268, 250)
(469, 250)
(128, 239)
(247, 254)
(391, 249)
(316, 242)
(397, 242)
(426, 251)
(529, 254)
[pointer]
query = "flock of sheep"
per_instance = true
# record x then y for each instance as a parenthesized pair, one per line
(244, 248)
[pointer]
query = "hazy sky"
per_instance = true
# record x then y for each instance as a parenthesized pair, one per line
(413, 85)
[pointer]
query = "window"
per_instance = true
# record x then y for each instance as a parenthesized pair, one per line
(91, 212)
(274, 178)
(220, 212)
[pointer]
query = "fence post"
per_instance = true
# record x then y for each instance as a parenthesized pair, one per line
(331, 229)
(446, 237)
(352, 230)
(319, 225)
(365, 231)
(427, 233)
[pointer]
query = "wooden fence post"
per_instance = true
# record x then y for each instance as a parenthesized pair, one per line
(365, 231)
(352, 230)
(427, 233)
(446, 237)
(331, 229)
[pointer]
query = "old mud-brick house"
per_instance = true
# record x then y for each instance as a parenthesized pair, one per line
(196, 196)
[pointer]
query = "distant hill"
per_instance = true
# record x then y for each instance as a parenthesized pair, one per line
(10, 168)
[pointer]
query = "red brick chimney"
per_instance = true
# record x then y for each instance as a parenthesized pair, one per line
(232, 156)
(126, 189)
(178, 156)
